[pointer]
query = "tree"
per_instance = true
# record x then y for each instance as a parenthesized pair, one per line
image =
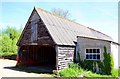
(8, 40)
(11, 32)
(61, 12)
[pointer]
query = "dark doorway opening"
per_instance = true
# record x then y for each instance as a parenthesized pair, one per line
(39, 56)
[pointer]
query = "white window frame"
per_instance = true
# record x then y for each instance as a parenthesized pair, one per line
(92, 54)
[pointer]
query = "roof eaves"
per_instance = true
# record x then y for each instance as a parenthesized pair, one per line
(99, 32)
(94, 38)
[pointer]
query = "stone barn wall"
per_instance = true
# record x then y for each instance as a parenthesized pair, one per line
(65, 55)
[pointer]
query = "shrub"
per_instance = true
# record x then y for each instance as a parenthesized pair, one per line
(68, 72)
(8, 40)
(108, 62)
(105, 67)
(72, 71)
(72, 65)
(91, 64)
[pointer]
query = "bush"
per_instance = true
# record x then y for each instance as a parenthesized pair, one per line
(72, 65)
(108, 62)
(8, 40)
(90, 64)
(105, 67)
(69, 72)
(72, 71)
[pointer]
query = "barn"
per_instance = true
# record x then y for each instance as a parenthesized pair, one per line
(50, 40)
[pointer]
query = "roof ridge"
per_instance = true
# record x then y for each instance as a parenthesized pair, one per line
(58, 16)
(69, 20)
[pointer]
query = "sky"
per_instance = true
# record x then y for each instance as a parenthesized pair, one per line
(101, 16)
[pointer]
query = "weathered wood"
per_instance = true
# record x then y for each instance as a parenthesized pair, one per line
(36, 32)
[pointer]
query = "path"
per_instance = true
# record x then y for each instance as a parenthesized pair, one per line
(5, 70)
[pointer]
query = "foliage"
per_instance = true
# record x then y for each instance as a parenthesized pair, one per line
(91, 74)
(105, 67)
(8, 41)
(74, 70)
(90, 65)
(114, 72)
(108, 62)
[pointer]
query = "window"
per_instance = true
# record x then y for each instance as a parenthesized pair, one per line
(93, 54)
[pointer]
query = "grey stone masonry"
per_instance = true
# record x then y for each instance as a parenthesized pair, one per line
(65, 56)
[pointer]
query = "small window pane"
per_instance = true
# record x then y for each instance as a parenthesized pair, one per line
(86, 56)
(98, 50)
(98, 56)
(87, 51)
(90, 56)
(94, 50)
(90, 50)
(94, 57)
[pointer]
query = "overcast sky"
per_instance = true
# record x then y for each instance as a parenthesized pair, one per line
(102, 16)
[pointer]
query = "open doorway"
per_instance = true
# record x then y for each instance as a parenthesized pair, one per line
(39, 56)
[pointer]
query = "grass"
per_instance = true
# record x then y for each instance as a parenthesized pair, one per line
(91, 74)
(76, 71)
(115, 72)
(71, 72)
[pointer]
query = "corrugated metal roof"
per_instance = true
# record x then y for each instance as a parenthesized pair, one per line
(64, 31)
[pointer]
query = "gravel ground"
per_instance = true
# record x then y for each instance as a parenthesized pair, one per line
(5, 70)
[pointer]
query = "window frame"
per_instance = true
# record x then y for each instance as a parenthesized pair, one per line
(92, 53)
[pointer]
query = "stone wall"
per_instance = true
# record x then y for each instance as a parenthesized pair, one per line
(65, 55)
